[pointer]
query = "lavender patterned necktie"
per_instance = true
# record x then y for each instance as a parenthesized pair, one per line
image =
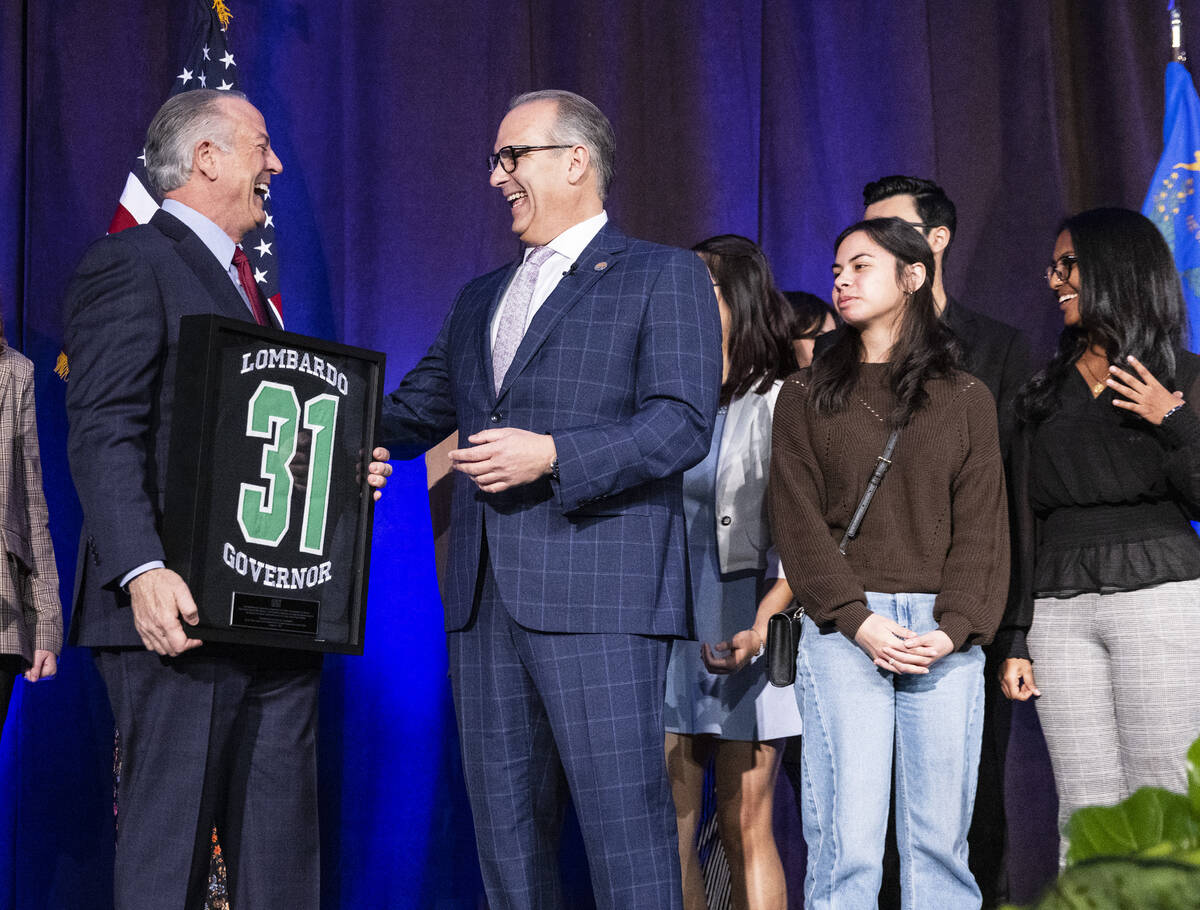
(513, 311)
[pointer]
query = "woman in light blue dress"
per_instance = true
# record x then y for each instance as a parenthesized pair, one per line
(714, 713)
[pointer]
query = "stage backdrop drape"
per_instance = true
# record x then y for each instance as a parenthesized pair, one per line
(763, 117)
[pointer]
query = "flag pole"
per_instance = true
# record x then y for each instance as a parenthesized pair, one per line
(1178, 54)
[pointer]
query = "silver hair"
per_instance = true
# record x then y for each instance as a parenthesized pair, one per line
(184, 121)
(581, 123)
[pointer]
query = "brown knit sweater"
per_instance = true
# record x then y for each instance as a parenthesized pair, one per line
(938, 523)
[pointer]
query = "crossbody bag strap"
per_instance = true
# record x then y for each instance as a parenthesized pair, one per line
(882, 463)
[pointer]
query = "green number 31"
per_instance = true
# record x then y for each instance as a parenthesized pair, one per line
(265, 510)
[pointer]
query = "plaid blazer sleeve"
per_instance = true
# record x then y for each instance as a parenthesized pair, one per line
(420, 413)
(677, 382)
(43, 610)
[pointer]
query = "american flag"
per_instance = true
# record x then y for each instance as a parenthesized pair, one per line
(209, 64)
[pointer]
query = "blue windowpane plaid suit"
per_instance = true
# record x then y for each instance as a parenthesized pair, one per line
(622, 365)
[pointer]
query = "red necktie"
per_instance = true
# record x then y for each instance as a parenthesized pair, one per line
(250, 286)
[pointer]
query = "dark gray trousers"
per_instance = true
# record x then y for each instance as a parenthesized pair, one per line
(224, 737)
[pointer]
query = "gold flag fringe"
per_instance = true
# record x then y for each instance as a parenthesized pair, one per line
(61, 367)
(223, 13)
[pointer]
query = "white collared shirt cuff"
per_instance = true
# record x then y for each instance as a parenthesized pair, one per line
(141, 570)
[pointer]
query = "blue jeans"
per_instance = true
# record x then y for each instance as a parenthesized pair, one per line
(853, 713)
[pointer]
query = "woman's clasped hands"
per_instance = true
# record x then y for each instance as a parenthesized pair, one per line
(896, 649)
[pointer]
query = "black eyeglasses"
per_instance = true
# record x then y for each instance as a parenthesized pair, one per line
(1061, 268)
(507, 156)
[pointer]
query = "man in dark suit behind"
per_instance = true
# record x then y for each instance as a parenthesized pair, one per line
(998, 355)
(583, 380)
(211, 734)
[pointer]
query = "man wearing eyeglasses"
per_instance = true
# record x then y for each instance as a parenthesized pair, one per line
(583, 380)
(998, 355)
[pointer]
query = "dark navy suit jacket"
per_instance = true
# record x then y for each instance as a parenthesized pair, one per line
(622, 364)
(121, 317)
(996, 353)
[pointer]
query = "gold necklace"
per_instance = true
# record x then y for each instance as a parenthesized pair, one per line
(1098, 385)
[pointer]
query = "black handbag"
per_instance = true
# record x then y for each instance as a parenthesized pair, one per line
(783, 628)
(783, 638)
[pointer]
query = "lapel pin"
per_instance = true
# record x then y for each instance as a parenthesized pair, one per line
(600, 266)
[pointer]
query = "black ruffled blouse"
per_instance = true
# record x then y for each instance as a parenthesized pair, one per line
(1103, 500)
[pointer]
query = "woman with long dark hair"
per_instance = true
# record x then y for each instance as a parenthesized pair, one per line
(734, 719)
(1107, 476)
(812, 317)
(889, 662)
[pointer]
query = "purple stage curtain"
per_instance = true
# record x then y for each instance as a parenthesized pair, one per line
(763, 117)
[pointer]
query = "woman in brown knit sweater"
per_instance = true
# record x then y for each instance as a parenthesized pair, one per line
(889, 657)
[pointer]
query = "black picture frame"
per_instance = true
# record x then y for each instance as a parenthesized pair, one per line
(268, 512)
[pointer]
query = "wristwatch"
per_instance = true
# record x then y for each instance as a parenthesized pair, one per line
(554, 468)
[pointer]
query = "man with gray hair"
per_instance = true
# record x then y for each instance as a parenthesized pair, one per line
(583, 380)
(216, 734)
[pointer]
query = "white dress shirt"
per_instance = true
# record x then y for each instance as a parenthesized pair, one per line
(211, 236)
(567, 246)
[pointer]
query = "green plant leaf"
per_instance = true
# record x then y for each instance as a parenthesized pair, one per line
(1193, 777)
(1119, 884)
(1152, 821)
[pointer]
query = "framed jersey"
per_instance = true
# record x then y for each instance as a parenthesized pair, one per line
(268, 512)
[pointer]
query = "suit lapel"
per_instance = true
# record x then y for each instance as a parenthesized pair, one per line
(204, 265)
(6, 383)
(738, 415)
(594, 262)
